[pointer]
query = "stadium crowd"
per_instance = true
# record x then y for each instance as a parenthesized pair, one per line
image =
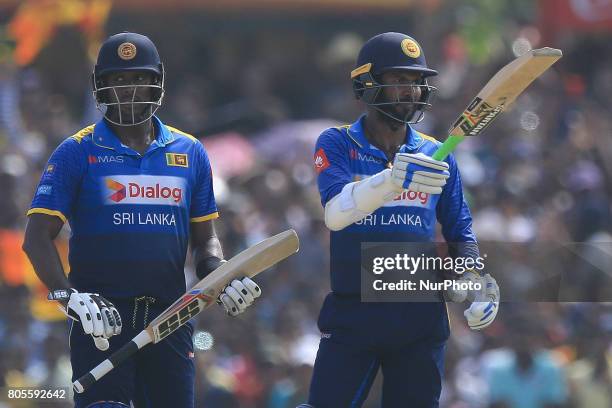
(540, 175)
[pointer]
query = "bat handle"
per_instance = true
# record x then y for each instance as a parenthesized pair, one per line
(118, 357)
(447, 147)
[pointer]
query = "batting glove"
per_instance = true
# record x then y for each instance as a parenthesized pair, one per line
(239, 295)
(98, 316)
(483, 310)
(419, 173)
(468, 279)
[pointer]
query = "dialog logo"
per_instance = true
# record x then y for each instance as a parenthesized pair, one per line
(409, 198)
(118, 190)
(149, 190)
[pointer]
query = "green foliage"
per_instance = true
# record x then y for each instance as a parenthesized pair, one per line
(485, 25)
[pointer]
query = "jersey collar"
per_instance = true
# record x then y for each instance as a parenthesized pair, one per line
(103, 136)
(357, 133)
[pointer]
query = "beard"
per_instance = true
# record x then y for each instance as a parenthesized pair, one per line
(140, 112)
(397, 115)
(404, 110)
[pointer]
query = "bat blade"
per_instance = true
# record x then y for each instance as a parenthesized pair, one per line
(499, 93)
(249, 263)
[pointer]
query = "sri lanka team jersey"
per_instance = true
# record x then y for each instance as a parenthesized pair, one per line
(129, 213)
(343, 155)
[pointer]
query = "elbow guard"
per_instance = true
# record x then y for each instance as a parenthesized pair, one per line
(360, 198)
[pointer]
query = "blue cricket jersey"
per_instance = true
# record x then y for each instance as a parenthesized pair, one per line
(343, 155)
(129, 213)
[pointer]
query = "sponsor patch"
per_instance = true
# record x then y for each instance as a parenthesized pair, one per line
(45, 189)
(104, 159)
(354, 154)
(147, 190)
(177, 159)
(320, 161)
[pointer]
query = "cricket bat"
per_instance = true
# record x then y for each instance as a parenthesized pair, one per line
(249, 263)
(501, 90)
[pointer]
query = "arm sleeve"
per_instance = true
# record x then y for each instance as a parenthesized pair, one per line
(203, 205)
(454, 215)
(331, 162)
(60, 182)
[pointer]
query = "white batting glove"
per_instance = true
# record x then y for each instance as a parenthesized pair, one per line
(419, 173)
(98, 317)
(485, 306)
(239, 295)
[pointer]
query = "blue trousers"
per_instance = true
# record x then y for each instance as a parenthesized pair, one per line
(405, 340)
(159, 375)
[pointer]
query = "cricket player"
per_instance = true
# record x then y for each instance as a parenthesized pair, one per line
(136, 193)
(378, 183)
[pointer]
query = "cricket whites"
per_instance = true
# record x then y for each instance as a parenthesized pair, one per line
(501, 90)
(249, 263)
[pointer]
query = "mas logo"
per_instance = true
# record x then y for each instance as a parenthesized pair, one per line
(91, 159)
(320, 161)
(149, 190)
(356, 155)
(177, 159)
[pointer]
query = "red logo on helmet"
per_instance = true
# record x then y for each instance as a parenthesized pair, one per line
(320, 161)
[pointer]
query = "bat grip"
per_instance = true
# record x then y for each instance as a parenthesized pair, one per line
(115, 359)
(447, 147)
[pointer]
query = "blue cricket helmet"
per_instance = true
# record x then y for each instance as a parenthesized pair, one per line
(127, 51)
(387, 52)
(393, 51)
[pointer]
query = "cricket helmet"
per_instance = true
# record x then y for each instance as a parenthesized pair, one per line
(127, 51)
(388, 52)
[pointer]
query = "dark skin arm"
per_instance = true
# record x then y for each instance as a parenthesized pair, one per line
(204, 241)
(41, 231)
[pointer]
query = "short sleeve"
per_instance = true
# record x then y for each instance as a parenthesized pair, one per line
(203, 205)
(60, 182)
(331, 163)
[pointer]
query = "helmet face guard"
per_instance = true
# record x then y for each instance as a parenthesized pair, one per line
(110, 104)
(370, 91)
